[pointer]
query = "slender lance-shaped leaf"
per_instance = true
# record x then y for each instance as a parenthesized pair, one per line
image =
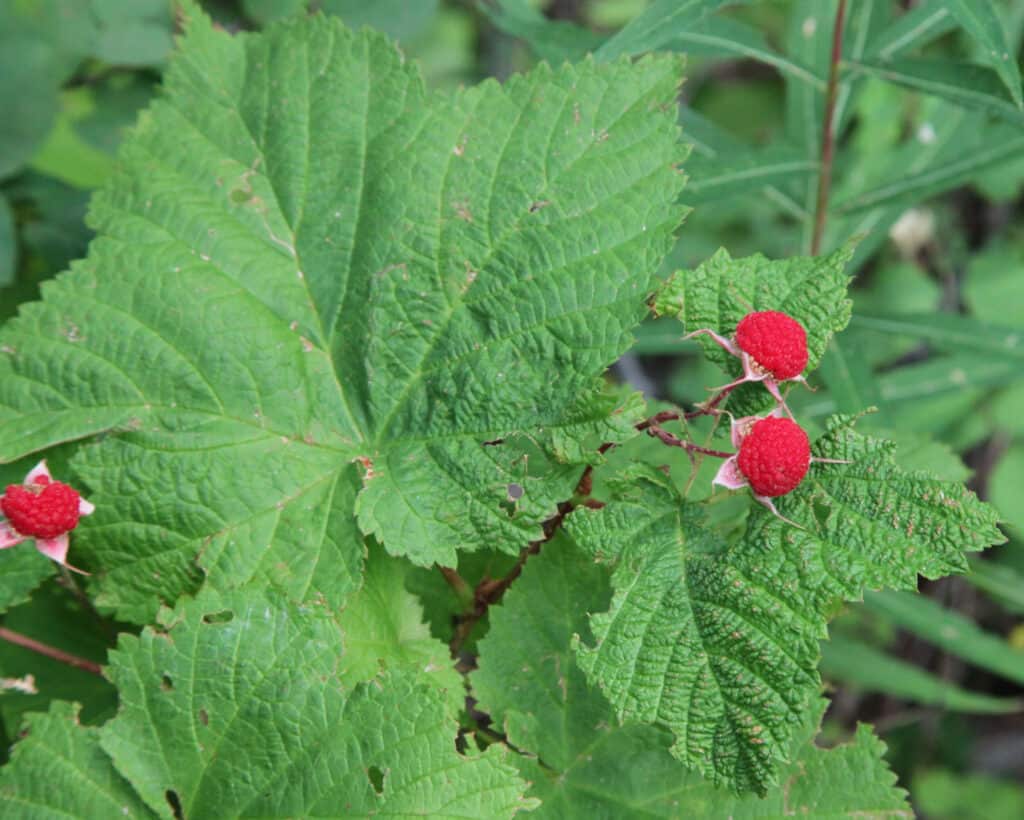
(982, 21)
(58, 769)
(947, 331)
(866, 667)
(965, 84)
(1000, 144)
(950, 630)
(657, 25)
(917, 27)
(738, 172)
(307, 262)
(943, 375)
(236, 707)
(1003, 582)
(717, 151)
(528, 679)
(851, 384)
(721, 36)
(720, 643)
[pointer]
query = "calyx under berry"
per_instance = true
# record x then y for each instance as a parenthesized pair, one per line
(43, 509)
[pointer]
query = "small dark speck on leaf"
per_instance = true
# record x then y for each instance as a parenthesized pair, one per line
(515, 492)
(204, 718)
(175, 804)
(166, 683)
(376, 779)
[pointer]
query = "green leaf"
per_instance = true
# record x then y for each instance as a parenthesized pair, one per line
(657, 25)
(396, 18)
(8, 244)
(720, 643)
(531, 685)
(865, 667)
(994, 286)
(945, 795)
(932, 176)
(29, 81)
(981, 19)
(456, 270)
(1002, 582)
(58, 769)
(737, 173)
(719, 293)
(267, 11)
(384, 630)
(965, 84)
(851, 384)
(552, 40)
(925, 22)
(249, 684)
(132, 32)
(21, 571)
(722, 36)
(949, 630)
(1006, 486)
(715, 149)
(951, 332)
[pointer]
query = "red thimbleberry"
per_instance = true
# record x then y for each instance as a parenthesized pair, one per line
(774, 456)
(775, 341)
(43, 510)
(771, 346)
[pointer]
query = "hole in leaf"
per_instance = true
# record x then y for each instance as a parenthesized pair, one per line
(376, 779)
(174, 803)
(225, 616)
(515, 492)
(166, 683)
(204, 718)
(821, 512)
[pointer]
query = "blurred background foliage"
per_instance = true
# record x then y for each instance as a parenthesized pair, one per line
(929, 174)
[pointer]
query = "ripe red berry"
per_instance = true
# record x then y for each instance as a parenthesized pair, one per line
(774, 456)
(45, 510)
(775, 341)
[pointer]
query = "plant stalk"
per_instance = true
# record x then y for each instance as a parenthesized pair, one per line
(828, 131)
(49, 651)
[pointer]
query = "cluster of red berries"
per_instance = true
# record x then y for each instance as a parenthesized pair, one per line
(773, 452)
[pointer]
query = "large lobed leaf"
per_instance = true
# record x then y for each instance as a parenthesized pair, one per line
(318, 290)
(720, 642)
(243, 705)
(574, 746)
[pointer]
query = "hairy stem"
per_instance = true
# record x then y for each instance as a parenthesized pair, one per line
(49, 651)
(828, 131)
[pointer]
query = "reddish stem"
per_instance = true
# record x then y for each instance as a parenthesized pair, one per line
(828, 136)
(671, 440)
(49, 651)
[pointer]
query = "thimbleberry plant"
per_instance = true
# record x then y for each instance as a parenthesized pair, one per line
(333, 375)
